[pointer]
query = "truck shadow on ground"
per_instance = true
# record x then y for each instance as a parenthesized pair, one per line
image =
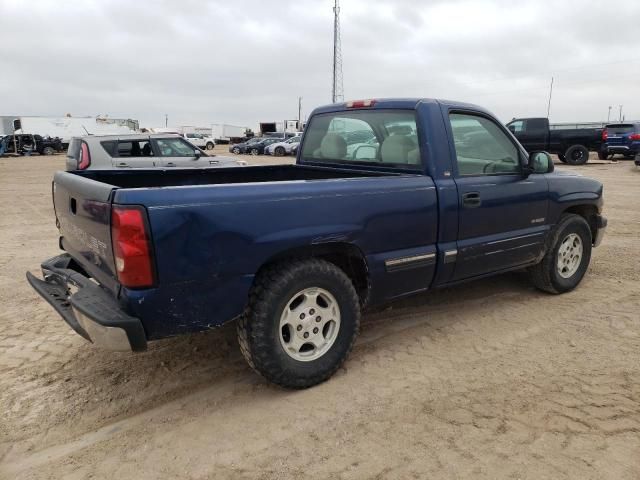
(117, 384)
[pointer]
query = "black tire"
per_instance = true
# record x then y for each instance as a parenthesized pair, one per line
(562, 158)
(259, 327)
(577, 155)
(48, 151)
(236, 150)
(254, 151)
(545, 275)
(210, 146)
(279, 151)
(603, 155)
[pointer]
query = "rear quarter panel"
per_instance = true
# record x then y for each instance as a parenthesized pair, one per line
(211, 240)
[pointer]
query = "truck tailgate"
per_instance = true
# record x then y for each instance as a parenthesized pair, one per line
(83, 213)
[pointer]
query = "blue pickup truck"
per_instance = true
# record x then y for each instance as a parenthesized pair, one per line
(387, 198)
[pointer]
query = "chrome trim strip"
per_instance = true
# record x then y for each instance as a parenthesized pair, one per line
(516, 238)
(450, 256)
(404, 260)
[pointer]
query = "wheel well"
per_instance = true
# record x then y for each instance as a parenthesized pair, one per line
(345, 256)
(589, 213)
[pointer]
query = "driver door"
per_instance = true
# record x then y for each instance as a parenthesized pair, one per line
(502, 213)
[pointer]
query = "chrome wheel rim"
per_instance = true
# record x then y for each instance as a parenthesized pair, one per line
(569, 255)
(309, 324)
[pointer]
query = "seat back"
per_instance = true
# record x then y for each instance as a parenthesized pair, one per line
(396, 148)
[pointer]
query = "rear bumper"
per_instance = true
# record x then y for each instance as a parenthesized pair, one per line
(625, 149)
(91, 311)
(601, 224)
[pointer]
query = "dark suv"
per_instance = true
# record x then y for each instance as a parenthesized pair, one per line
(622, 138)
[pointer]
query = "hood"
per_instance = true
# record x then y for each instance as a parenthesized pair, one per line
(564, 184)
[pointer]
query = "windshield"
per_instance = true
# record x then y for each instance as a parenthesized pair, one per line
(373, 137)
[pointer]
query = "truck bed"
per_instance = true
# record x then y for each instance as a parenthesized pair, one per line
(128, 178)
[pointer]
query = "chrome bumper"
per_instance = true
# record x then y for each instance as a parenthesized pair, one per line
(92, 312)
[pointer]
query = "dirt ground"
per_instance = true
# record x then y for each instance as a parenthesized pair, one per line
(491, 379)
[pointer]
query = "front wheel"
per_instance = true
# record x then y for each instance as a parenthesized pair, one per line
(567, 257)
(254, 151)
(279, 151)
(236, 150)
(562, 158)
(210, 146)
(300, 324)
(48, 151)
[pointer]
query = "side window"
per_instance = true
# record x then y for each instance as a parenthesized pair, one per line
(516, 126)
(133, 148)
(481, 146)
(174, 147)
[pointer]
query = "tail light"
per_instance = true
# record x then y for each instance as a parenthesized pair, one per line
(361, 103)
(84, 160)
(132, 247)
(634, 136)
(605, 135)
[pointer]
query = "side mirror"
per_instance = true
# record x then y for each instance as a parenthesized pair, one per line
(197, 153)
(540, 162)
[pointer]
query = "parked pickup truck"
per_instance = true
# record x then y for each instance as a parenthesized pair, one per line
(571, 143)
(294, 252)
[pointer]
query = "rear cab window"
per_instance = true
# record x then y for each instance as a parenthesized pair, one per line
(620, 129)
(363, 137)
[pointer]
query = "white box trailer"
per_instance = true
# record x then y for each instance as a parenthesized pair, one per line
(223, 133)
(66, 127)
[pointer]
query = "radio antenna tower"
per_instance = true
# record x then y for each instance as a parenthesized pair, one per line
(337, 92)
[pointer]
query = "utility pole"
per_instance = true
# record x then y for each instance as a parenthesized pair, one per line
(550, 92)
(609, 114)
(166, 119)
(620, 115)
(337, 93)
(299, 112)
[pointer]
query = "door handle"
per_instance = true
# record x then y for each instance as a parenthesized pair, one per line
(123, 164)
(471, 200)
(170, 164)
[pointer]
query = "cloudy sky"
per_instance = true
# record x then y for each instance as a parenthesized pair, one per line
(241, 62)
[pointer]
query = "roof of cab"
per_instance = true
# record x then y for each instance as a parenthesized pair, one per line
(401, 103)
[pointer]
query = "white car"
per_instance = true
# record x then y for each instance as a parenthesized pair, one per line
(159, 150)
(200, 140)
(283, 148)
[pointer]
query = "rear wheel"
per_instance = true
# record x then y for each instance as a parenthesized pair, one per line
(567, 257)
(300, 324)
(279, 151)
(210, 145)
(603, 154)
(577, 155)
(48, 151)
(254, 151)
(562, 158)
